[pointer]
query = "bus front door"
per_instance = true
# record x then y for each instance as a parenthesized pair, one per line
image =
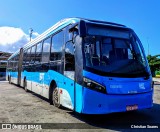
(69, 73)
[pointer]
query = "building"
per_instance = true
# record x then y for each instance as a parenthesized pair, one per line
(4, 55)
(3, 63)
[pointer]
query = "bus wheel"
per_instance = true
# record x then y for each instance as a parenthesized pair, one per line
(56, 98)
(25, 86)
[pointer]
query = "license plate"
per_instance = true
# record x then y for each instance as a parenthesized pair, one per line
(132, 107)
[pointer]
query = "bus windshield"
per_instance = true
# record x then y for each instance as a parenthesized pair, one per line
(115, 53)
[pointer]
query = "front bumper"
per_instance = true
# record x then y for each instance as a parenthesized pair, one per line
(99, 103)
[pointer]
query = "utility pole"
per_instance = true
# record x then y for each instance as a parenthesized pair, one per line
(30, 33)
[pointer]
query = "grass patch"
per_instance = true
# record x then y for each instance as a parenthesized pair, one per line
(158, 76)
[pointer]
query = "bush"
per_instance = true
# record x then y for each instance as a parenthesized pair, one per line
(157, 72)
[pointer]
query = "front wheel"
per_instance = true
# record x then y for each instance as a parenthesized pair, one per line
(55, 97)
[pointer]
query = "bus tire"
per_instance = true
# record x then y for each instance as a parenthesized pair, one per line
(56, 97)
(25, 85)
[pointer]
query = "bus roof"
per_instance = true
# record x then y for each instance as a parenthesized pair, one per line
(60, 25)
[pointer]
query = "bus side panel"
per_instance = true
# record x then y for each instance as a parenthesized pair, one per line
(46, 85)
(67, 95)
(66, 85)
(36, 85)
(23, 74)
(79, 98)
(22, 83)
(14, 77)
(39, 82)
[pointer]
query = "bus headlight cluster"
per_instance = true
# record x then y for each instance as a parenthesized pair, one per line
(94, 85)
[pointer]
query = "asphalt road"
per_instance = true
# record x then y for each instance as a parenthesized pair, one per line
(17, 106)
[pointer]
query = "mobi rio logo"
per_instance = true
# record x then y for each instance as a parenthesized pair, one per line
(141, 86)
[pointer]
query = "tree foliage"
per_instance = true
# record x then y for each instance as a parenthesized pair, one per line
(154, 63)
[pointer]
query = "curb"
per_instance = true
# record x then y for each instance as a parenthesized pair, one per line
(156, 79)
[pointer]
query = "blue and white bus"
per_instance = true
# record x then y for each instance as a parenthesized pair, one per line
(88, 66)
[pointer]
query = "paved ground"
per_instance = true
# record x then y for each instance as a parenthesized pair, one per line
(17, 106)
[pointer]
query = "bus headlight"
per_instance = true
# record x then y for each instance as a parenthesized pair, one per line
(94, 85)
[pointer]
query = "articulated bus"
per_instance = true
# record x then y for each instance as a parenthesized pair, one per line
(88, 66)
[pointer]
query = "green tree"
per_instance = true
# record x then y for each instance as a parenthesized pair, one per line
(154, 63)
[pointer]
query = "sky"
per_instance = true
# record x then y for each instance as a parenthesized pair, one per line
(18, 16)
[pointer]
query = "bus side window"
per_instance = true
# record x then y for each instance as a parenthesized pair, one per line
(38, 53)
(69, 61)
(24, 57)
(33, 55)
(56, 62)
(69, 57)
(27, 59)
(56, 48)
(46, 50)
